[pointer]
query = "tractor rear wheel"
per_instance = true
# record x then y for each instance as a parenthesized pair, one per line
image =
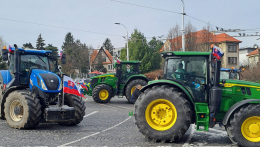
(102, 93)
(244, 126)
(162, 114)
(131, 87)
(78, 104)
(22, 110)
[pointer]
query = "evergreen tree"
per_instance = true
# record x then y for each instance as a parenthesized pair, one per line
(40, 43)
(140, 50)
(28, 45)
(53, 49)
(108, 46)
(69, 43)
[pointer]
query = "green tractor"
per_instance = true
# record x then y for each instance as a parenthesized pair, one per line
(167, 107)
(103, 87)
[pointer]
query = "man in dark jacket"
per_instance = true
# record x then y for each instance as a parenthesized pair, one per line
(136, 93)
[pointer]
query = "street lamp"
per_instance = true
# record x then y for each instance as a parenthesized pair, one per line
(127, 53)
(183, 35)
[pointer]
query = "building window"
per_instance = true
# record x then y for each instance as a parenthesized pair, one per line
(232, 48)
(118, 53)
(104, 59)
(232, 60)
(108, 67)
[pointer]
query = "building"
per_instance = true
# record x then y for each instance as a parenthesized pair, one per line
(253, 57)
(117, 52)
(201, 41)
(243, 59)
(106, 58)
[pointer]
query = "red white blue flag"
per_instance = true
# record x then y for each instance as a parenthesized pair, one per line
(217, 52)
(69, 86)
(118, 61)
(60, 54)
(82, 84)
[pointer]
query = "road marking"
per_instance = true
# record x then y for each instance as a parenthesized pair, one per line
(90, 114)
(96, 133)
(186, 144)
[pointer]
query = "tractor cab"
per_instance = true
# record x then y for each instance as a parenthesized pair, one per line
(230, 73)
(126, 69)
(189, 71)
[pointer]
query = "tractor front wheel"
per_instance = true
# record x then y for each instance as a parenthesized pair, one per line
(79, 105)
(22, 110)
(131, 87)
(162, 113)
(102, 93)
(244, 126)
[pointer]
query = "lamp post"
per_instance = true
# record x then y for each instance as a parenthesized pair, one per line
(127, 53)
(183, 35)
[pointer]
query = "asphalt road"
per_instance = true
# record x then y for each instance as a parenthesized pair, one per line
(103, 125)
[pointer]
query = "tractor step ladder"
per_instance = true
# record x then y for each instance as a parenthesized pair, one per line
(202, 115)
(120, 92)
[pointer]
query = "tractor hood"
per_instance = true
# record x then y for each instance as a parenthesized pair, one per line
(51, 81)
(231, 83)
(104, 75)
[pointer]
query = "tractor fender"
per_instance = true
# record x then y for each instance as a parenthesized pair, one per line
(5, 94)
(236, 106)
(134, 77)
(170, 83)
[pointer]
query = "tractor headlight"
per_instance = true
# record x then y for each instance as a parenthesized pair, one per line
(43, 85)
(60, 87)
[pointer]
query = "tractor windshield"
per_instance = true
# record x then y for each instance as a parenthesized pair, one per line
(229, 75)
(191, 72)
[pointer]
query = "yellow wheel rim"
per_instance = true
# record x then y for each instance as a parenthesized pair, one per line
(103, 94)
(251, 129)
(161, 114)
(132, 90)
(16, 115)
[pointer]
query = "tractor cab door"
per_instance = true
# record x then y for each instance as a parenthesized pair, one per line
(191, 73)
(128, 70)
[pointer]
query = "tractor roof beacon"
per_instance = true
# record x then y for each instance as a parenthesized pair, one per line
(166, 108)
(122, 83)
(32, 90)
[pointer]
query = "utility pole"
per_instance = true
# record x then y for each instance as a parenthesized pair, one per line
(183, 32)
(127, 53)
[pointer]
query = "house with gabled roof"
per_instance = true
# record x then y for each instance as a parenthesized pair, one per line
(106, 58)
(201, 41)
(253, 57)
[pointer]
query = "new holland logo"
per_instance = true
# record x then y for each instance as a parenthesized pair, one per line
(52, 81)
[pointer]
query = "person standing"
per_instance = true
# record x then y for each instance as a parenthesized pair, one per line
(136, 93)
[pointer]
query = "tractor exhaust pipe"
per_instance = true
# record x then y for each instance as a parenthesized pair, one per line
(16, 66)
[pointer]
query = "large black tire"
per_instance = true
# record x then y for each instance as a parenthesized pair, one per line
(99, 90)
(78, 104)
(131, 85)
(30, 110)
(160, 94)
(234, 127)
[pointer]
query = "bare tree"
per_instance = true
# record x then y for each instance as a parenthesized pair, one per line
(190, 37)
(2, 44)
(174, 38)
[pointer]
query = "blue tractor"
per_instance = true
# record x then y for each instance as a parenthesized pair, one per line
(230, 73)
(31, 90)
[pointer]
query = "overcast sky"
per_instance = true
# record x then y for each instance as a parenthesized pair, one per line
(99, 16)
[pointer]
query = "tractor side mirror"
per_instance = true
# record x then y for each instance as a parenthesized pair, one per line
(63, 59)
(5, 54)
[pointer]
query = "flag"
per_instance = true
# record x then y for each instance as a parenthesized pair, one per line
(217, 52)
(69, 86)
(80, 87)
(60, 54)
(118, 61)
(82, 84)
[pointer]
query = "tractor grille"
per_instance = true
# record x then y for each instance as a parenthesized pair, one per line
(51, 81)
(93, 82)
